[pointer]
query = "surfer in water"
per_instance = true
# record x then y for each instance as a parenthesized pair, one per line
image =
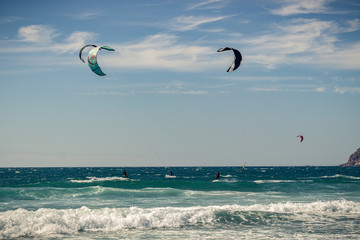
(125, 174)
(171, 173)
(217, 175)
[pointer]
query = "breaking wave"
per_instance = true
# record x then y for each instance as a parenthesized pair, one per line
(280, 181)
(340, 176)
(103, 179)
(49, 222)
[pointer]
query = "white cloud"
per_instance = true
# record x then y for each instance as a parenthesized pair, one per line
(9, 19)
(339, 90)
(343, 90)
(186, 23)
(305, 41)
(190, 92)
(266, 78)
(85, 15)
(264, 89)
(292, 7)
(289, 88)
(162, 51)
(343, 58)
(298, 36)
(39, 38)
(354, 25)
(40, 34)
(320, 89)
(75, 41)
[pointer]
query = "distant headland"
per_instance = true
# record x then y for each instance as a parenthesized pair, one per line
(354, 159)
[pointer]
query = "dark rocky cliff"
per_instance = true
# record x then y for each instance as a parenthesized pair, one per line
(354, 159)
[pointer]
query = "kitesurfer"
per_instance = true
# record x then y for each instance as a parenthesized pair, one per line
(125, 174)
(217, 175)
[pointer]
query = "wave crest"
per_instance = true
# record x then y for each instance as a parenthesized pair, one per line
(103, 179)
(49, 222)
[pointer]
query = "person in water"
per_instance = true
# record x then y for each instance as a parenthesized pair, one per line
(217, 175)
(125, 174)
(171, 173)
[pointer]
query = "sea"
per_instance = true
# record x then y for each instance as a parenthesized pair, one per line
(251, 203)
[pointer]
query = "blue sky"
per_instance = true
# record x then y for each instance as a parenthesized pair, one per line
(167, 99)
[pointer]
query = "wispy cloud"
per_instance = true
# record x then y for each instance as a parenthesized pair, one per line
(292, 7)
(298, 36)
(186, 23)
(179, 88)
(190, 92)
(208, 4)
(165, 88)
(343, 58)
(9, 19)
(265, 78)
(158, 52)
(265, 89)
(85, 15)
(343, 90)
(305, 41)
(353, 25)
(289, 88)
(75, 41)
(39, 38)
(164, 52)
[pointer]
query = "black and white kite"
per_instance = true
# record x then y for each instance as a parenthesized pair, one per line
(237, 58)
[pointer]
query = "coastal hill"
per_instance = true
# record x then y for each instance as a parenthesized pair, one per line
(354, 159)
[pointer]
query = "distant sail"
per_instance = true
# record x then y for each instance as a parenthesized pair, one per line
(243, 167)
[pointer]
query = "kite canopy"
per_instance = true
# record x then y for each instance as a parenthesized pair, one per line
(82, 49)
(237, 58)
(92, 58)
(301, 137)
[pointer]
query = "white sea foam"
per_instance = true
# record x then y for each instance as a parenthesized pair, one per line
(103, 179)
(227, 176)
(281, 181)
(170, 176)
(342, 176)
(49, 222)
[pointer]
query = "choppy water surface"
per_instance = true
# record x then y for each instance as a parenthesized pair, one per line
(258, 202)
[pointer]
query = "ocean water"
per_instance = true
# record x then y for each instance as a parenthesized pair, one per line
(254, 203)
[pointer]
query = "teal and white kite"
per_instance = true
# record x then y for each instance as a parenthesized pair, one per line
(92, 58)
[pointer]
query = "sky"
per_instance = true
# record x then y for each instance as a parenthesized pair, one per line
(167, 99)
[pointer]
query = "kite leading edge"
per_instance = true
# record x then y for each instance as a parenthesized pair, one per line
(92, 58)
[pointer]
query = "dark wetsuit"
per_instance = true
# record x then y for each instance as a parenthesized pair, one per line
(217, 175)
(125, 175)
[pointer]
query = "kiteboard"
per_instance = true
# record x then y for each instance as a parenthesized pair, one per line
(216, 180)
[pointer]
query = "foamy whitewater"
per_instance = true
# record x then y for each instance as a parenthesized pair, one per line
(254, 203)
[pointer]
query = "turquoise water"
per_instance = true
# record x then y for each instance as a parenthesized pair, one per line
(255, 203)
